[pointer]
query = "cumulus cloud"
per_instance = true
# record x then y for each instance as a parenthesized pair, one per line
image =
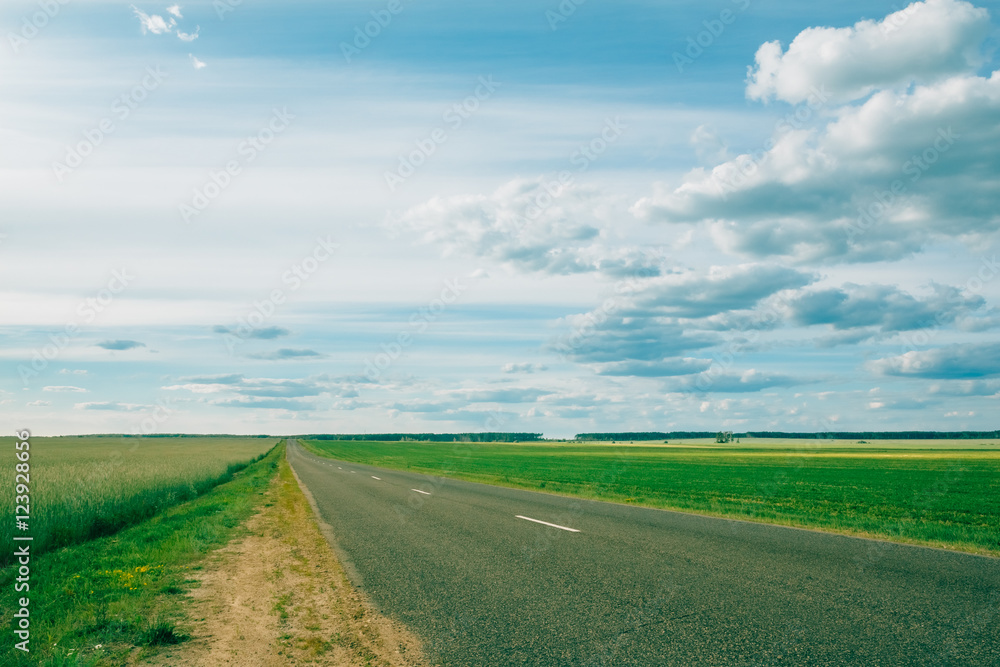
(954, 362)
(190, 37)
(599, 338)
(878, 181)
(923, 42)
(155, 23)
(175, 10)
(872, 179)
(120, 345)
(654, 327)
(848, 337)
(670, 325)
(748, 381)
(882, 306)
(531, 225)
(292, 394)
(197, 64)
(720, 289)
(244, 388)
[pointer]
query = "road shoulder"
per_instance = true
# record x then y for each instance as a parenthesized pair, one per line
(280, 597)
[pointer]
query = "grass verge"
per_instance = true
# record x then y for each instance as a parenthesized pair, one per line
(117, 598)
(942, 498)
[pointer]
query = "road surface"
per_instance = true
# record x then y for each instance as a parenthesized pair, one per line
(494, 576)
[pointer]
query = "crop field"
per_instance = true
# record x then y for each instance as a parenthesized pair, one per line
(939, 493)
(87, 487)
(113, 600)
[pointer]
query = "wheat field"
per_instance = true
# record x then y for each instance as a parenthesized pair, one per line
(87, 487)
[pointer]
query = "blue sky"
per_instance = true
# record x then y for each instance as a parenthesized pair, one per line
(754, 215)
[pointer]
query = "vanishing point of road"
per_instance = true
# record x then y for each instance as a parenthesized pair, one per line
(494, 576)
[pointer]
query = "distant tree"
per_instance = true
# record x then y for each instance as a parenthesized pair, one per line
(724, 436)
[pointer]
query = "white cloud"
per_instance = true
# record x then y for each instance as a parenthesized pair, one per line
(954, 362)
(532, 225)
(189, 36)
(155, 24)
(824, 193)
(884, 306)
(708, 145)
(175, 10)
(717, 290)
(197, 63)
(652, 325)
(39, 404)
(523, 368)
(922, 42)
(966, 388)
(244, 390)
(64, 389)
(751, 380)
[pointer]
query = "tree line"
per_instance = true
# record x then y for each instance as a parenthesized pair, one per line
(828, 435)
(429, 437)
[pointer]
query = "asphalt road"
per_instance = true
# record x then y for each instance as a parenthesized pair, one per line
(454, 562)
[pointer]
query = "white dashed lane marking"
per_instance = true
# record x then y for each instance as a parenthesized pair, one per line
(546, 523)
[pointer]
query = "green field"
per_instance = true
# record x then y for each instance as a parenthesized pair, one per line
(113, 600)
(936, 492)
(87, 487)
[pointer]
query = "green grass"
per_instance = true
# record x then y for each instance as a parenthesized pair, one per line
(945, 495)
(87, 487)
(122, 592)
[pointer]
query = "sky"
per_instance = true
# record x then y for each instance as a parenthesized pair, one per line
(251, 216)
